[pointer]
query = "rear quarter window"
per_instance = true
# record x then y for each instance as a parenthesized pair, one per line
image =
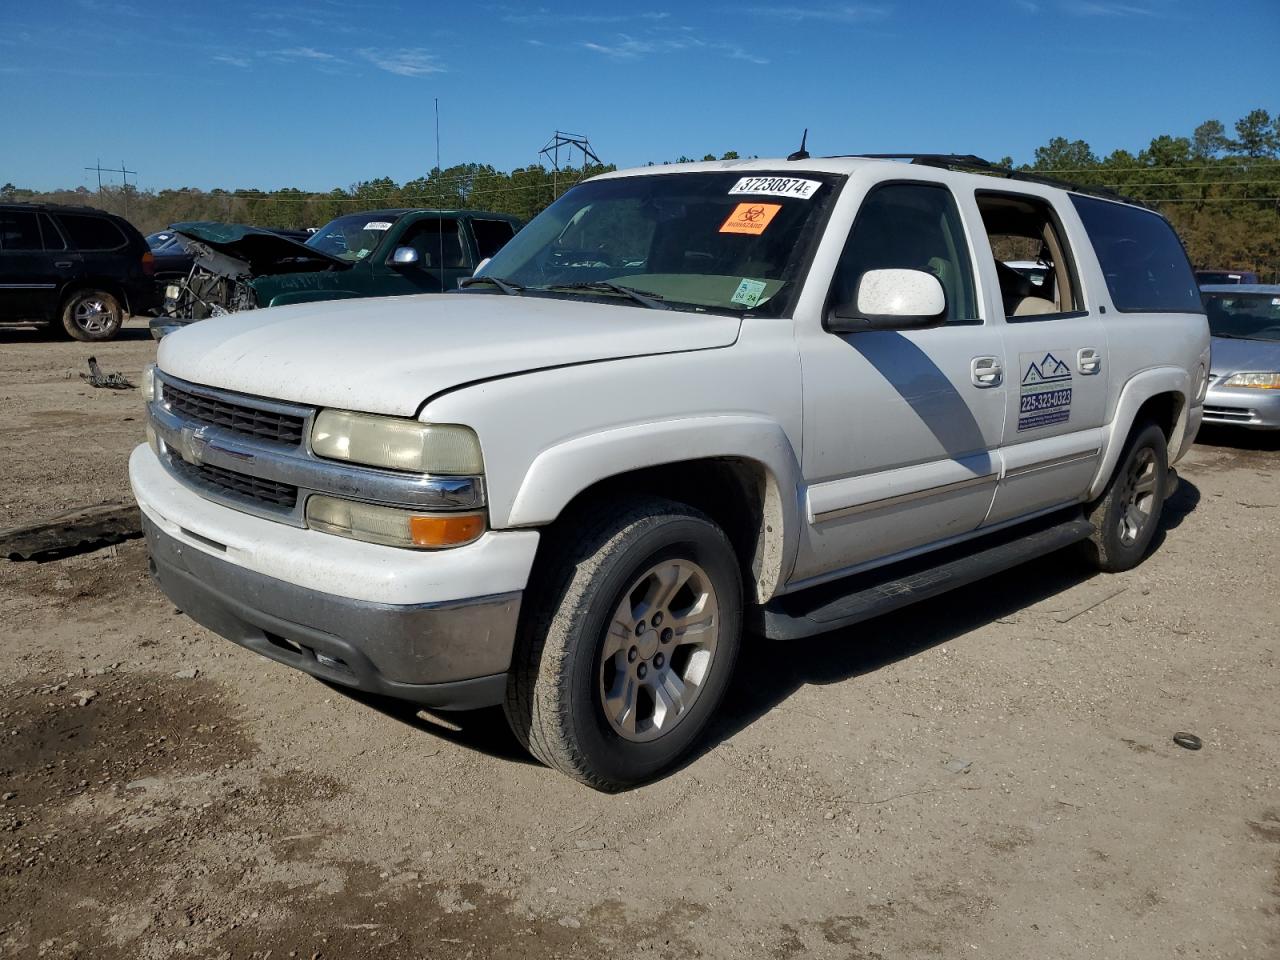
(1142, 258)
(91, 233)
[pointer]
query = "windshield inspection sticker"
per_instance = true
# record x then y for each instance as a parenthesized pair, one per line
(1045, 391)
(748, 292)
(777, 187)
(750, 218)
(377, 225)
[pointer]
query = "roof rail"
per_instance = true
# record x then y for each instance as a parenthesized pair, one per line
(969, 162)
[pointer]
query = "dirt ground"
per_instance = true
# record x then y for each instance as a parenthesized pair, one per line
(990, 775)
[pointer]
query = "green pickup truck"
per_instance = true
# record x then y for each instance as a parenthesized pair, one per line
(378, 253)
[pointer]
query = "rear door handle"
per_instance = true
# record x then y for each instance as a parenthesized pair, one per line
(986, 372)
(63, 264)
(1088, 361)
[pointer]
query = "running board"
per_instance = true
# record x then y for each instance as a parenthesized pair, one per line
(866, 595)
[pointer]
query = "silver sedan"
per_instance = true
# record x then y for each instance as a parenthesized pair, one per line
(1244, 372)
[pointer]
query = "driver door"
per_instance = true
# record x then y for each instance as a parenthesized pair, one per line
(902, 428)
(444, 258)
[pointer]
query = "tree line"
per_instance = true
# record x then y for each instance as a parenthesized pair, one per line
(1220, 189)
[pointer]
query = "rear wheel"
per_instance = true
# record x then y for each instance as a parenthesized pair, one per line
(92, 315)
(628, 642)
(1127, 515)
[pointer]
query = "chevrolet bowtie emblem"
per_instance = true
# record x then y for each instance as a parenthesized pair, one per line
(194, 440)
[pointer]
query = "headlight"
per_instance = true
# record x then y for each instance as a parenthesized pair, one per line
(392, 526)
(171, 291)
(149, 382)
(397, 443)
(1257, 381)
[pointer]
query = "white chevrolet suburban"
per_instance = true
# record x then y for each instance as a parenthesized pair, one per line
(775, 396)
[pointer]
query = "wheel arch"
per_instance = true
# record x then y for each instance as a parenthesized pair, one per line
(1160, 395)
(741, 472)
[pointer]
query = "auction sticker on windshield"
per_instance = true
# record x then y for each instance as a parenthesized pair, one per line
(377, 225)
(750, 218)
(777, 187)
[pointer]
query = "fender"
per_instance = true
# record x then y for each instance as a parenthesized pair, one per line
(312, 296)
(560, 473)
(1140, 388)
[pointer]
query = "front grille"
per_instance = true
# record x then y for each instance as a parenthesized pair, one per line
(239, 418)
(239, 485)
(1228, 413)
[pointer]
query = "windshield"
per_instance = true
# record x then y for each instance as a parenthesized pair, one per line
(1246, 316)
(701, 241)
(352, 237)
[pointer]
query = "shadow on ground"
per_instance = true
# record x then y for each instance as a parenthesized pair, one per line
(765, 679)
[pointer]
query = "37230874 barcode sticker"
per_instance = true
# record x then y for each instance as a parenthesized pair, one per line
(794, 187)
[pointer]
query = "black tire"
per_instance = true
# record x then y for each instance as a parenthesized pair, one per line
(556, 691)
(1127, 515)
(92, 316)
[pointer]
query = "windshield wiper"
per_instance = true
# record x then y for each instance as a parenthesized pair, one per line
(651, 300)
(509, 287)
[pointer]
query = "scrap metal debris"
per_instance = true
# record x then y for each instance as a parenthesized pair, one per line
(111, 381)
(84, 526)
(1188, 740)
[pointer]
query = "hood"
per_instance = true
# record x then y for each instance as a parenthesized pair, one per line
(389, 355)
(256, 252)
(1232, 356)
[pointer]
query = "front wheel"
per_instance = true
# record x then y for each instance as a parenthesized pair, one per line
(1126, 516)
(92, 315)
(629, 638)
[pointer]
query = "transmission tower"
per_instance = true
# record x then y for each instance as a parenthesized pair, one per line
(567, 142)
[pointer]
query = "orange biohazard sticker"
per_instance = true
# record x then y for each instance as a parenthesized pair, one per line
(750, 218)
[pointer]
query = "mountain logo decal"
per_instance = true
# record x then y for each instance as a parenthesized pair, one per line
(1044, 391)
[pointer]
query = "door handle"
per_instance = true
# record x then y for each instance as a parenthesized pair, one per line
(986, 371)
(63, 263)
(1088, 361)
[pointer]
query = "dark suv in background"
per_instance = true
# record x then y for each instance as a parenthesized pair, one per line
(84, 268)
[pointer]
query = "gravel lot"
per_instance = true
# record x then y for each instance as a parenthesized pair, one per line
(990, 775)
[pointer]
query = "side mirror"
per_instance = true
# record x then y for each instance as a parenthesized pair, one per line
(404, 257)
(480, 266)
(892, 300)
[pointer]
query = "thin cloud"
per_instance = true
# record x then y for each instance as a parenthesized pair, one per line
(738, 53)
(625, 48)
(304, 53)
(543, 15)
(1030, 6)
(230, 60)
(1092, 8)
(841, 13)
(414, 62)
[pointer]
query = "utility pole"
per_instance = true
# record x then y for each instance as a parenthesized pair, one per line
(567, 142)
(124, 179)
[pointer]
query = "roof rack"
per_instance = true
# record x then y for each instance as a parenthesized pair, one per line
(969, 162)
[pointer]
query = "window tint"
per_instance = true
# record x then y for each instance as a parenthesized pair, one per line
(915, 227)
(18, 230)
(1146, 268)
(438, 242)
(91, 233)
(491, 235)
(52, 238)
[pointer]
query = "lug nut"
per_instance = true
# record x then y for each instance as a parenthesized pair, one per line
(667, 635)
(632, 654)
(641, 671)
(640, 627)
(658, 661)
(657, 619)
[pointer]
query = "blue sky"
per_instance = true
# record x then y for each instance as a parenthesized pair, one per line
(321, 93)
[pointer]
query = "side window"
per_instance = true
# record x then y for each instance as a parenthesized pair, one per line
(438, 242)
(18, 230)
(491, 235)
(1142, 258)
(1033, 262)
(91, 233)
(914, 226)
(52, 237)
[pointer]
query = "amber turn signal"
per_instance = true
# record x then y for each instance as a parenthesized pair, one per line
(446, 531)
